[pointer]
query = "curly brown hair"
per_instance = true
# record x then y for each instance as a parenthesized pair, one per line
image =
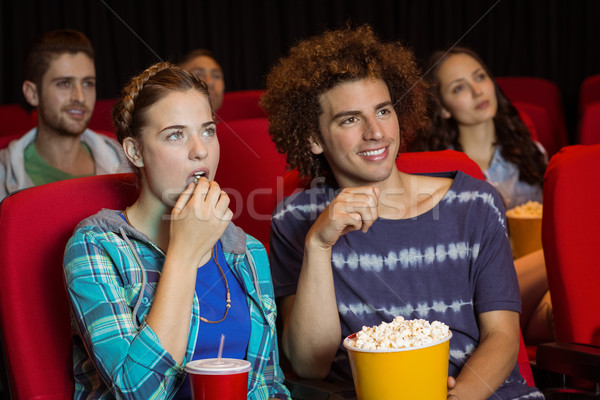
(315, 66)
(512, 135)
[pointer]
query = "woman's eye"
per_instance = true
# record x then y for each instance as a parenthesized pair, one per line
(175, 135)
(481, 77)
(212, 131)
(457, 88)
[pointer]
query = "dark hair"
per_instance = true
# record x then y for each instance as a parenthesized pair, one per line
(196, 53)
(512, 135)
(144, 90)
(315, 66)
(50, 45)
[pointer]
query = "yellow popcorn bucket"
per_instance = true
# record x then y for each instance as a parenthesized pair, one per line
(525, 234)
(408, 373)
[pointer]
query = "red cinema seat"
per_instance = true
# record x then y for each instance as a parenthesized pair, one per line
(571, 239)
(35, 225)
(251, 171)
(15, 120)
(242, 104)
(589, 126)
(541, 92)
(101, 119)
(543, 125)
(529, 124)
(589, 92)
(6, 139)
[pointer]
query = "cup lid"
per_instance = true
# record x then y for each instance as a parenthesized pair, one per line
(214, 366)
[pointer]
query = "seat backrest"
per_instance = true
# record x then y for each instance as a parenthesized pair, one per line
(544, 129)
(589, 91)
(6, 139)
(589, 126)
(101, 119)
(571, 239)
(35, 225)
(529, 124)
(251, 171)
(15, 120)
(242, 104)
(541, 92)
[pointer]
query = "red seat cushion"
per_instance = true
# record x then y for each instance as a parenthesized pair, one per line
(35, 225)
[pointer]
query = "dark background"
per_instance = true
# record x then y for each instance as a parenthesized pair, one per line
(553, 39)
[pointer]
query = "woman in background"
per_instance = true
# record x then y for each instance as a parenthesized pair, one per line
(469, 113)
(157, 284)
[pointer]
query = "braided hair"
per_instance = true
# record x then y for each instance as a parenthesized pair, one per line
(145, 90)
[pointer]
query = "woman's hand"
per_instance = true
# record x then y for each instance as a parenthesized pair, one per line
(198, 220)
(352, 209)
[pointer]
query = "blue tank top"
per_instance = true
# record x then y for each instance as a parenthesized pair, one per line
(211, 293)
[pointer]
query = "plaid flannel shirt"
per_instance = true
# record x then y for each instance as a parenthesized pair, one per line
(115, 353)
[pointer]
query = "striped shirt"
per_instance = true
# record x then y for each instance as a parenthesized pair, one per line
(449, 264)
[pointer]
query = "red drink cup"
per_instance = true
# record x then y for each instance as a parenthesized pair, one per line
(214, 379)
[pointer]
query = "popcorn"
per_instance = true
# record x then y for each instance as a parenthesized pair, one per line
(400, 334)
(529, 209)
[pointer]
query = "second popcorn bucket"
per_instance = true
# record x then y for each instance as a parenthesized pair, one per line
(408, 373)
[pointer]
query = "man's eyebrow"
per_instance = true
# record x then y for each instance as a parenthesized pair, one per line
(69, 77)
(386, 103)
(348, 113)
(352, 113)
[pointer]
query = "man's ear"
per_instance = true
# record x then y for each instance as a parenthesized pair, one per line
(30, 91)
(315, 146)
(445, 113)
(133, 152)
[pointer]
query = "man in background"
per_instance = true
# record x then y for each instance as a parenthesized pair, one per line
(60, 82)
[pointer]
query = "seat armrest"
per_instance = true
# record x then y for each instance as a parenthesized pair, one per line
(572, 359)
(316, 389)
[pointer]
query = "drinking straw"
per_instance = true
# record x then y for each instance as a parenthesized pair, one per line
(221, 347)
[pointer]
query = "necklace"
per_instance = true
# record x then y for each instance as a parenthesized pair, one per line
(228, 296)
(216, 261)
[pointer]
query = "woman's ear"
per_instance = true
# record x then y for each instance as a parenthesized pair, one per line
(133, 152)
(315, 146)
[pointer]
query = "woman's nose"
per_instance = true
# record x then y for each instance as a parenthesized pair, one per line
(197, 147)
(476, 89)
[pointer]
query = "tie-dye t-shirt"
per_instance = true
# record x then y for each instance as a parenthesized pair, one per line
(449, 264)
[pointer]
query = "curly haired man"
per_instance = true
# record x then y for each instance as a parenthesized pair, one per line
(371, 242)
